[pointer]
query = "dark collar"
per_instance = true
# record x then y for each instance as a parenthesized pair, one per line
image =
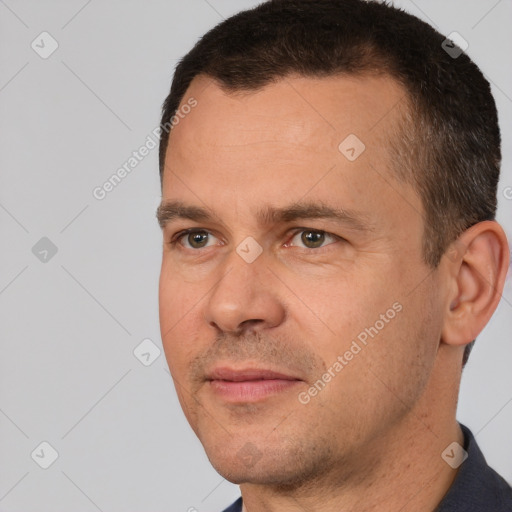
(236, 507)
(477, 487)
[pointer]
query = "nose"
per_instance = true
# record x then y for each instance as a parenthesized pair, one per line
(244, 298)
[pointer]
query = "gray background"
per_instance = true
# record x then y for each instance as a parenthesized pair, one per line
(69, 324)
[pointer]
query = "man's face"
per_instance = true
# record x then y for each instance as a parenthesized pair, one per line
(299, 322)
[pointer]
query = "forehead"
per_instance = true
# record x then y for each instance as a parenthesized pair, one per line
(295, 137)
(298, 110)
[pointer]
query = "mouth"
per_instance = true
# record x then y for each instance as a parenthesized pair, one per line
(249, 384)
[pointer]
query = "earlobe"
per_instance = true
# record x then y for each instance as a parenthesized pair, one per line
(478, 262)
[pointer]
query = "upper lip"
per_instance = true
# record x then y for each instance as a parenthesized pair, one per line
(246, 374)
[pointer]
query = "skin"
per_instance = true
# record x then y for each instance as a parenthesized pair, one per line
(372, 438)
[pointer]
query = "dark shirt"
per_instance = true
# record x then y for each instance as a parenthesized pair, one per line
(476, 488)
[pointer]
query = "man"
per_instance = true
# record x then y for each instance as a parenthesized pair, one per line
(329, 173)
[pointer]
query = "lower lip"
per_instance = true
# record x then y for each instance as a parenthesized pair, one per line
(250, 390)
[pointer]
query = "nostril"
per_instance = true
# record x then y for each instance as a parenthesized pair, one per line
(249, 324)
(242, 329)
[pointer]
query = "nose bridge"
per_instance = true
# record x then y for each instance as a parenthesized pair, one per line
(243, 295)
(238, 281)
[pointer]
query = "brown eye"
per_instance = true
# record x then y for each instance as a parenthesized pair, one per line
(197, 239)
(313, 239)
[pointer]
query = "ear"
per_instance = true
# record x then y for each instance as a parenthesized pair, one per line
(478, 262)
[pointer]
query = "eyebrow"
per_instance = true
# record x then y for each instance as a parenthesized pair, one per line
(170, 210)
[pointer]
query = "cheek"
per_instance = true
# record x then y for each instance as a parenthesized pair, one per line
(340, 306)
(369, 321)
(399, 354)
(177, 295)
(178, 309)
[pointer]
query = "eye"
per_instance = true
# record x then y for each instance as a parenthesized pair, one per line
(194, 239)
(312, 238)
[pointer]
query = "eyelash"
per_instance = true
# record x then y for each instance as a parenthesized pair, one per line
(176, 238)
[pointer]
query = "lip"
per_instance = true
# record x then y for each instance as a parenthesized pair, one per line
(247, 374)
(249, 384)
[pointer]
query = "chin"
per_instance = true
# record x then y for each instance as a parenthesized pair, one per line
(260, 463)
